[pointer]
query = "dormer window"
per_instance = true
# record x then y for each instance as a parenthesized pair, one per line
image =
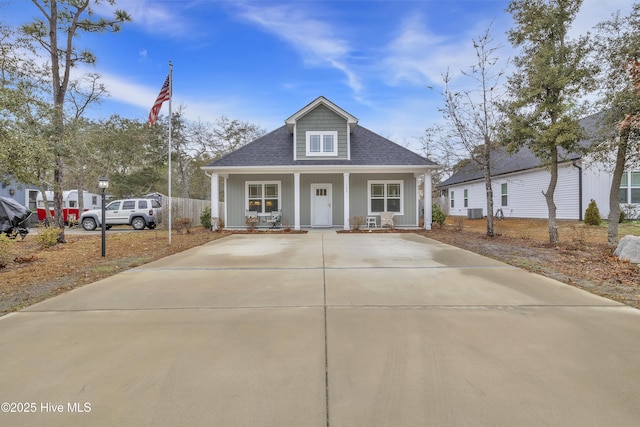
(322, 143)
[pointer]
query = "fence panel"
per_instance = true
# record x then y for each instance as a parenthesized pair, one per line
(443, 202)
(184, 208)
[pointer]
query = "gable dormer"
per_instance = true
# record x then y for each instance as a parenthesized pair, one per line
(321, 130)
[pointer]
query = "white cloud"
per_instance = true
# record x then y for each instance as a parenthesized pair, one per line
(312, 38)
(161, 18)
(418, 57)
(594, 11)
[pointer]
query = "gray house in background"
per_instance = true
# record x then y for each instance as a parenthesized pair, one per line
(320, 170)
(25, 194)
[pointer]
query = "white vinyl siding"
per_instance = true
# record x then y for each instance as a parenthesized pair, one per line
(504, 196)
(525, 194)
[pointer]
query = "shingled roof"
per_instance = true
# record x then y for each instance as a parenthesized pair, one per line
(276, 149)
(504, 163)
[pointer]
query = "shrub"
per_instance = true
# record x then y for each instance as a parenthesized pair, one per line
(622, 217)
(592, 215)
(458, 224)
(437, 215)
(205, 218)
(357, 222)
(47, 237)
(251, 222)
(182, 224)
(6, 250)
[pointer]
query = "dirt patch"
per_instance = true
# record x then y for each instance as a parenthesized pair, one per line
(39, 274)
(582, 258)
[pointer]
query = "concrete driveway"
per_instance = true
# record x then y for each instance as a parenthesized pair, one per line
(322, 329)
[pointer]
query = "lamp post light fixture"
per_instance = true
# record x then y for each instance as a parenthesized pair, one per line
(104, 184)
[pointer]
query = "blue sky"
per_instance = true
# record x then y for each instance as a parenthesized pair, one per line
(262, 61)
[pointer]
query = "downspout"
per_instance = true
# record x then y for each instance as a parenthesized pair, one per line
(575, 165)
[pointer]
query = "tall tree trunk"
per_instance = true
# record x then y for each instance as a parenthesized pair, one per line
(551, 205)
(489, 188)
(614, 198)
(45, 202)
(59, 88)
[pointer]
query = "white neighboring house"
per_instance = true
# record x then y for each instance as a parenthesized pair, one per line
(518, 183)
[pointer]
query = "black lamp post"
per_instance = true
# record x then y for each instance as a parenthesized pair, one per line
(104, 184)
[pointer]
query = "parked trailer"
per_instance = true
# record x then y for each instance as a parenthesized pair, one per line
(70, 204)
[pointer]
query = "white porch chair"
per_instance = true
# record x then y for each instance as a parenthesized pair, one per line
(274, 219)
(371, 222)
(386, 219)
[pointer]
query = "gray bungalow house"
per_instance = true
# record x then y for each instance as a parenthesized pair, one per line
(320, 170)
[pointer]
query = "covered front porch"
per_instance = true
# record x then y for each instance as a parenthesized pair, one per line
(322, 199)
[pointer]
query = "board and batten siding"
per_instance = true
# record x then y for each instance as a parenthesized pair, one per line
(337, 195)
(358, 201)
(524, 193)
(236, 196)
(235, 193)
(321, 119)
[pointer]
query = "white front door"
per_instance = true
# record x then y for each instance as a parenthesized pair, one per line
(321, 205)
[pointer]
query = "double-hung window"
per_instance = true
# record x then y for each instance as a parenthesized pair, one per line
(453, 199)
(385, 196)
(504, 194)
(630, 188)
(322, 143)
(263, 197)
(466, 198)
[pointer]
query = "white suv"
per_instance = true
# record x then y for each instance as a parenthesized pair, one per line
(139, 213)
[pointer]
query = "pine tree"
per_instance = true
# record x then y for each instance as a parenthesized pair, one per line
(592, 215)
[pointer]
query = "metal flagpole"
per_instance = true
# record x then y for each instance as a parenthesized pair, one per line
(170, 96)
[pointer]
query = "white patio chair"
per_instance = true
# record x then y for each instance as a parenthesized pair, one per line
(274, 219)
(371, 222)
(386, 219)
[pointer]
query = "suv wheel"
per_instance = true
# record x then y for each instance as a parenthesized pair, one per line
(89, 224)
(138, 223)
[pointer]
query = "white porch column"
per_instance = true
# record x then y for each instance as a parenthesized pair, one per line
(418, 178)
(215, 195)
(426, 191)
(347, 226)
(296, 201)
(225, 184)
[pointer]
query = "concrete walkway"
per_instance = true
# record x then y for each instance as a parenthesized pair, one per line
(322, 329)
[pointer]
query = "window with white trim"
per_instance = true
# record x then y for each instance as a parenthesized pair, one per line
(385, 196)
(630, 188)
(263, 197)
(322, 143)
(504, 194)
(453, 200)
(466, 198)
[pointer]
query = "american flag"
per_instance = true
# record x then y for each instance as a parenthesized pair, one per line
(164, 95)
